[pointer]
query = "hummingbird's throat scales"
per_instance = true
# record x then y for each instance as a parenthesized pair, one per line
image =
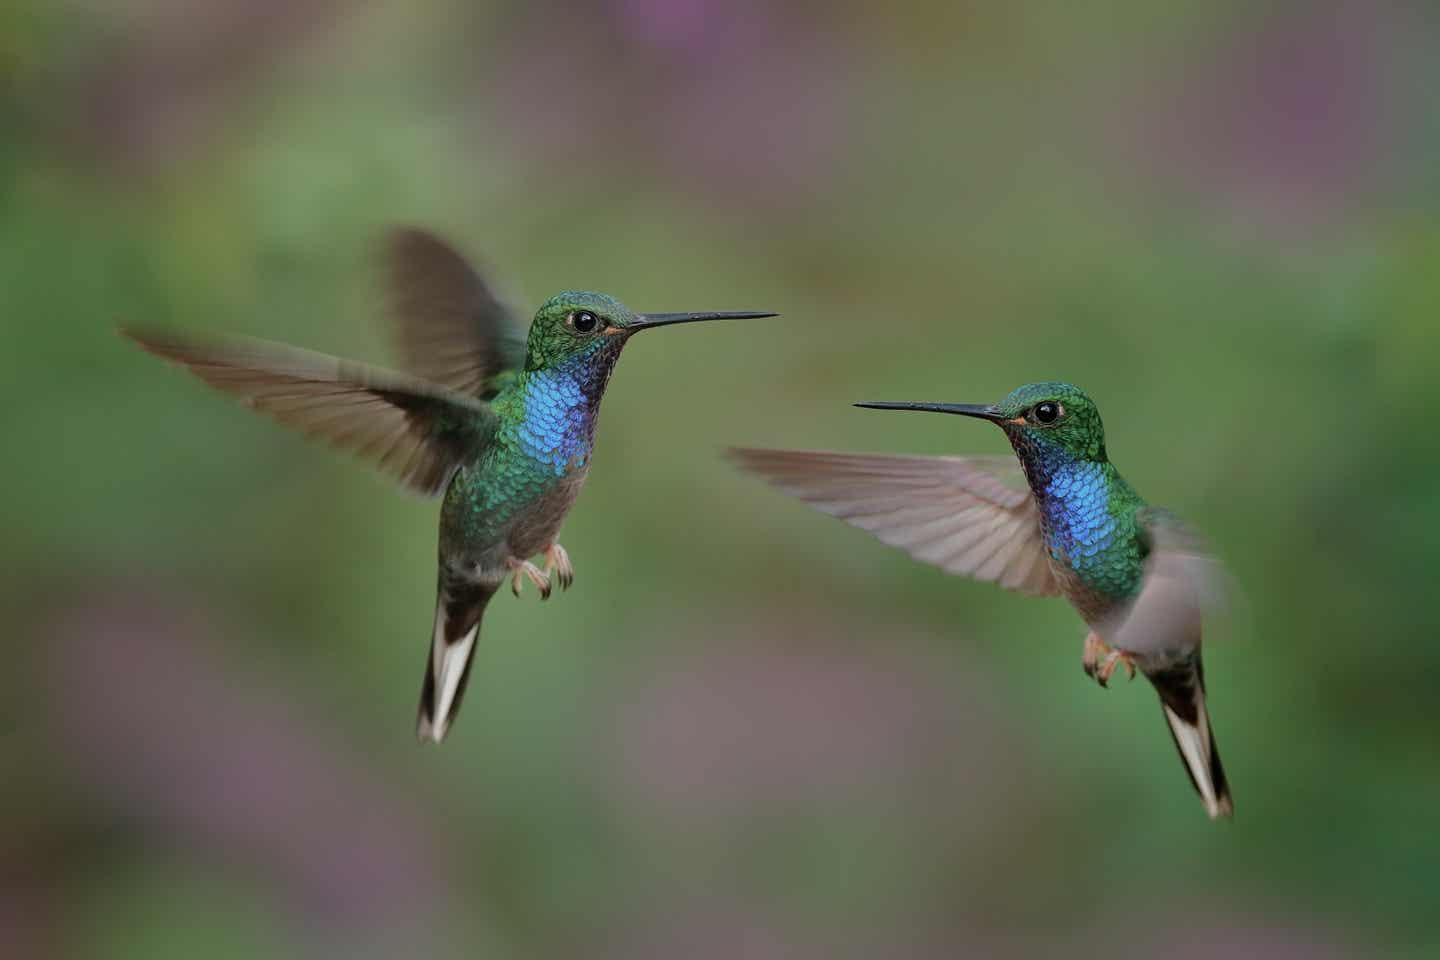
(559, 407)
(1087, 521)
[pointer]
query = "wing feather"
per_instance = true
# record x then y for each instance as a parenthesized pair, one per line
(416, 432)
(968, 516)
(1181, 584)
(449, 325)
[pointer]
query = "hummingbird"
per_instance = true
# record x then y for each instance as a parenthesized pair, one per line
(502, 423)
(1056, 519)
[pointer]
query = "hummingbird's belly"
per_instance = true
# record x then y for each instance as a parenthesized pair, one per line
(1092, 603)
(495, 511)
(535, 529)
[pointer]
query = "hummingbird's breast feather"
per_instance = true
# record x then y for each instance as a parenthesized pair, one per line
(514, 499)
(1089, 529)
(505, 506)
(535, 529)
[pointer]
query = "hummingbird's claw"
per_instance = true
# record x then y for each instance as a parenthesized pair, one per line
(1095, 651)
(558, 560)
(1099, 661)
(1112, 660)
(530, 572)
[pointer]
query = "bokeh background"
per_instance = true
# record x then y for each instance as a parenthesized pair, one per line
(748, 730)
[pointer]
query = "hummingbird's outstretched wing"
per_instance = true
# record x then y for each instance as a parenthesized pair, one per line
(965, 515)
(449, 325)
(1162, 628)
(415, 431)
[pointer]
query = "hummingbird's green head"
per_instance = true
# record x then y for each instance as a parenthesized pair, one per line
(574, 325)
(1046, 418)
(1053, 414)
(582, 325)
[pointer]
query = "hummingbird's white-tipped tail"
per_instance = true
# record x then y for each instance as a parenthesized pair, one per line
(1182, 699)
(1196, 744)
(457, 625)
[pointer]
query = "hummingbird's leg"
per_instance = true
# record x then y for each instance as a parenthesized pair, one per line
(1112, 660)
(558, 560)
(1100, 661)
(531, 572)
(1095, 651)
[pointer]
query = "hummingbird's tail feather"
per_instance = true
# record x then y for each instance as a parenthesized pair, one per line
(1182, 698)
(458, 610)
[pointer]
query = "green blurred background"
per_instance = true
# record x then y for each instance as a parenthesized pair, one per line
(748, 731)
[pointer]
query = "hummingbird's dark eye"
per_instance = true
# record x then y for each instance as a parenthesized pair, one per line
(584, 321)
(1047, 412)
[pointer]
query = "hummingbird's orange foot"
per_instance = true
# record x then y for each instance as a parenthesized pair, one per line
(1113, 659)
(530, 572)
(1095, 651)
(558, 560)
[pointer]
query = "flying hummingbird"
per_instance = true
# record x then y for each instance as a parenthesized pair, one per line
(1063, 522)
(501, 423)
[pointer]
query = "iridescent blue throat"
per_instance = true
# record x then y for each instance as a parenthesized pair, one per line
(1075, 505)
(1074, 497)
(561, 409)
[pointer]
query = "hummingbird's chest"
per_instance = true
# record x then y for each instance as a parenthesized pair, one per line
(1090, 536)
(519, 492)
(553, 422)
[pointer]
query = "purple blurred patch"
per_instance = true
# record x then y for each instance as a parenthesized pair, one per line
(1291, 124)
(723, 929)
(713, 930)
(170, 736)
(735, 101)
(30, 924)
(1234, 935)
(172, 76)
(680, 25)
(749, 726)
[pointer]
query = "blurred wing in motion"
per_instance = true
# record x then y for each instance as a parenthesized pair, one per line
(449, 325)
(1163, 628)
(971, 516)
(414, 431)
(1182, 584)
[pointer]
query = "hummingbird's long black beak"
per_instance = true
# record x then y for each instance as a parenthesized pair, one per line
(644, 321)
(985, 411)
